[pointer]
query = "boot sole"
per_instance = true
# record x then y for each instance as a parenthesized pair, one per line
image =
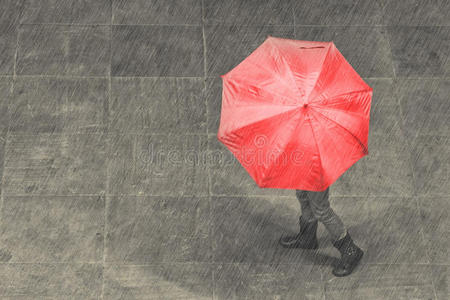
(356, 266)
(314, 246)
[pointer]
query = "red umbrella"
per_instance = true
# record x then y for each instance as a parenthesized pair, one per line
(295, 114)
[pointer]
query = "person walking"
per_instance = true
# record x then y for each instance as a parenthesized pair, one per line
(315, 207)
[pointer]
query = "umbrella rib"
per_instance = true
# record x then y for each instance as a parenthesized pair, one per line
(288, 68)
(318, 150)
(321, 70)
(337, 109)
(355, 137)
(269, 71)
(271, 169)
(262, 87)
(315, 100)
(269, 118)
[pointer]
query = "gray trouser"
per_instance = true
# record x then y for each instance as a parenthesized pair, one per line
(315, 206)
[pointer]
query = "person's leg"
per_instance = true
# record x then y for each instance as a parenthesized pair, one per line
(351, 254)
(306, 211)
(320, 206)
(306, 238)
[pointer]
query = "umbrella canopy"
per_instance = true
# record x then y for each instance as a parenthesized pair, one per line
(295, 114)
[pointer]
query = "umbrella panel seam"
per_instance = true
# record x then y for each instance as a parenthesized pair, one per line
(262, 87)
(351, 133)
(301, 93)
(316, 100)
(318, 150)
(347, 112)
(321, 70)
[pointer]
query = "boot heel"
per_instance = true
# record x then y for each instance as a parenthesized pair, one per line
(305, 239)
(351, 255)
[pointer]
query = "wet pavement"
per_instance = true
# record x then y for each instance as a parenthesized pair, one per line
(114, 185)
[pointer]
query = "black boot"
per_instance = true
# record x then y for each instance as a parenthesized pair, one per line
(350, 256)
(305, 239)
